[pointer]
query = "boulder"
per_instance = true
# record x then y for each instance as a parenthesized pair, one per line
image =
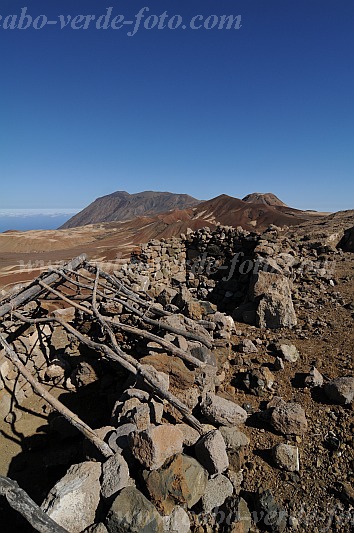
(221, 411)
(156, 444)
(286, 457)
(288, 351)
(275, 306)
(177, 522)
(340, 390)
(217, 490)
(347, 241)
(73, 501)
(314, 378)
(132, 512)
(182, 481)
(179, 375)
(289, 418)
(272, 515)
(211, 452)
(115, 476)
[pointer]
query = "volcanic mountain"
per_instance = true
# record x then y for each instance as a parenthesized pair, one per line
(121, 205)
(266, 198)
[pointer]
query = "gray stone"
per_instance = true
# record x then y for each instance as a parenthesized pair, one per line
(275, 307)
(247, 346)
(314, 378)
(289, 419)
(288, 351)
(211, 452)
(217, 490)
(177, 522)
(286, 457)
(97, 528)
(73, 501)
(221, 411)
(131, 512)
(59, 339)
(118, 440)
(340, 390)
(115, 476)
(234, 439)
(190, 435)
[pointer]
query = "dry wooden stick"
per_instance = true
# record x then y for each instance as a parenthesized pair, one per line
(19, 500)
(56, 404)
(147, 376)
(130, 329)
(127, 362)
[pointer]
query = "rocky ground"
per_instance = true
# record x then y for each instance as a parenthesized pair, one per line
(273, 396)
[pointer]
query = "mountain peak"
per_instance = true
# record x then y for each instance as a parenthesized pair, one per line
(267, 198)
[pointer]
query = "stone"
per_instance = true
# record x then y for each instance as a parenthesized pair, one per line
(59, 339)
(234, 439)
(286, 457)
(118, 440)
(115, 476)
(224, 324)
(182, 481)
(340, 390)
(237, 444)
(132, 512)
(180, 376)
(67, 314)
(314, 378)
(289, 419)
(84, 374)
(166, 296)
(96, 528)
(288, 351)
(211, 452)
(347, 241)
(202, 353)
(156, 444)
(217, 490)
(177, 522)
(274, 517)
(259, 380)
(73, 501)
(247, 346)
(190, 435)
(275, 305)
(223, 412)
(234, 516)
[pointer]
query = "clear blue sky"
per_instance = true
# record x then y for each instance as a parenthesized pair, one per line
(267, 107)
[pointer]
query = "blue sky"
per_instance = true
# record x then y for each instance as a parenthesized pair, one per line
(267, 107)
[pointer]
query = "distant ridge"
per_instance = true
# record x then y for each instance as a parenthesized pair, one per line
(121, 205)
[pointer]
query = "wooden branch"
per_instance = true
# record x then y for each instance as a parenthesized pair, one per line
(19, 500)
(56, 404)
(32, 292)
(130, 329)
(126, 361)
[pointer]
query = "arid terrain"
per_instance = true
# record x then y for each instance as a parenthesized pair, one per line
(22, 254)
(260, 353)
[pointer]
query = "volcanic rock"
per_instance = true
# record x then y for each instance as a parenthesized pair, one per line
(73, 501)
(153, 446)
(132, 512)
